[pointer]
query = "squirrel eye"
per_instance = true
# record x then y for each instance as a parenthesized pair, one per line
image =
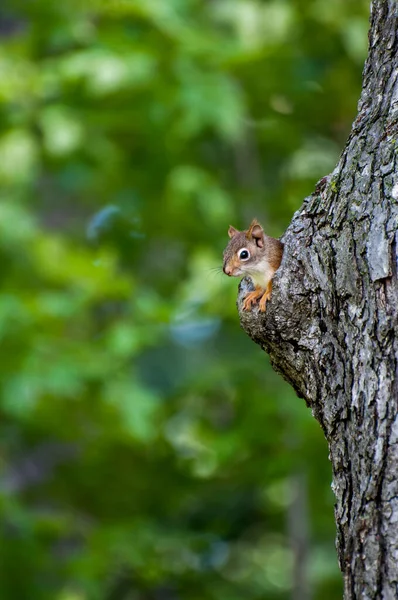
(244, 254)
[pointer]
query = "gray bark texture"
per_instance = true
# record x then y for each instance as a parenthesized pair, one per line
(330, 326)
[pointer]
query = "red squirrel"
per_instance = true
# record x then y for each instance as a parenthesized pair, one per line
(253, 253)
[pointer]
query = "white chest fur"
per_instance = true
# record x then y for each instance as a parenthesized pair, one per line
(261, 273)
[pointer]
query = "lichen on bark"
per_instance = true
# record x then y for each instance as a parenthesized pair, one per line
(331, 324)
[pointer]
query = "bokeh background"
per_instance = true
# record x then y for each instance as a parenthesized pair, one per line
(148, 451)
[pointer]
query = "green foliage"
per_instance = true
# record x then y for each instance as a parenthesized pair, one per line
(148, 450)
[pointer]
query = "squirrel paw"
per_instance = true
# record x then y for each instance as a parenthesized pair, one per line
(252, 298)
(258, 293)
(263, 301)
(265, 296)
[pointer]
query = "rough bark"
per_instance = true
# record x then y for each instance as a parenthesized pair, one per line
(331, 325)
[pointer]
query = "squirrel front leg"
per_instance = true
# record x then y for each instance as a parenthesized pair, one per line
(266, 295)
(252, 297)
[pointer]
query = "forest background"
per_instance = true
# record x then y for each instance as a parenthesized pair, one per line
(148, 451)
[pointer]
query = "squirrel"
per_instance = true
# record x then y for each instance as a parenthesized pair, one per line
(253, 253)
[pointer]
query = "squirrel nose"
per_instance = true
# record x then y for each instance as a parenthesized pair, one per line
(227, 270)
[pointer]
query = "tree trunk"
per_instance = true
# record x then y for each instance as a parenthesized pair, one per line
(331, 324)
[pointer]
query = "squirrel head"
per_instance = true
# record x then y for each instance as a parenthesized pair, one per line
(244, 250)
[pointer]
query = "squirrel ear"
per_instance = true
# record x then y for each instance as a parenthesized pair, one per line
(256, 232)
(232, 231)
